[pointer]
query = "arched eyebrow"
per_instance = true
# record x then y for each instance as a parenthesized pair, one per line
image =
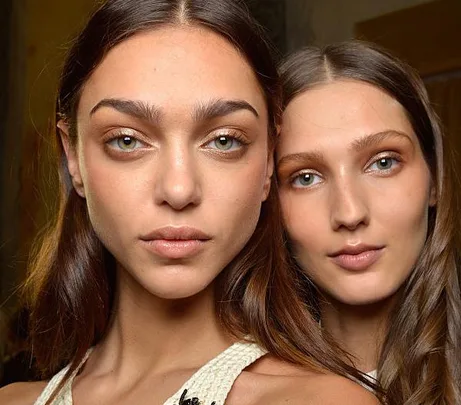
(151, 113)
(370, 141)
(134, 108)
(220, 108)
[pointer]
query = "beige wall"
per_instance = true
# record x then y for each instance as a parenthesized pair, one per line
(324, 21)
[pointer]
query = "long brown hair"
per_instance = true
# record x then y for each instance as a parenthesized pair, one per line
(71, 280)
(420, 361)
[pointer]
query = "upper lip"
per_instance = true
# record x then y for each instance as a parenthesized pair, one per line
(176, 233)
(355, 249)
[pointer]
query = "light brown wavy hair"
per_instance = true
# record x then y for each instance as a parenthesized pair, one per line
(71, 284)
(420, 360)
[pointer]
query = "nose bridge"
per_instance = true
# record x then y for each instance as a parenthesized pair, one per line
(349, 206)
(178, 183)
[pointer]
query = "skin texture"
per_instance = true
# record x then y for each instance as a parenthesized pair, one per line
(338, 133)
(175, 175)
(166, 326)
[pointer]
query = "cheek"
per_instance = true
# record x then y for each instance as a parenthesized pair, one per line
(403, 210)
(406, 226)
(240, 191)
(306, 224)
(114, 197)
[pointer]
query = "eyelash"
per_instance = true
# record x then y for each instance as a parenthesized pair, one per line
(121, 134)
(233, 136)
(298, 175)
(384, 155)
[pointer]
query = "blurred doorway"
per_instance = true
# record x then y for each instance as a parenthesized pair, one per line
(428, 37)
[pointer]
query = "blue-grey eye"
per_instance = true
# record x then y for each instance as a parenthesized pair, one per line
(306, 180)
(384, 163)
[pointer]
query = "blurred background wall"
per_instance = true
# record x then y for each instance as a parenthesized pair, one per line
(321, 22)
(34, 36)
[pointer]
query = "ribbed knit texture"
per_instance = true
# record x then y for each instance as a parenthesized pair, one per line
(211, 383)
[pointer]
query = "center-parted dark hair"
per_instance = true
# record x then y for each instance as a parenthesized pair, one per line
(71, 280)
(420, 362)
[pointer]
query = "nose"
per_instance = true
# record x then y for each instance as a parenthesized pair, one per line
(178, 182)
(349, 206)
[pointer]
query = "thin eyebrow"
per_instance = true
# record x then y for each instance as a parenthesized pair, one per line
(358, 145)
(220, 108)
(137, 109)
(369, 141)
(313, 157)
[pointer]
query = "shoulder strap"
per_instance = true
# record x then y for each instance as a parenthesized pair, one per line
(211, 384)
(64, 396)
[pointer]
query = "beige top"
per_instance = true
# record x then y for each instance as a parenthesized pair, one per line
(209, 385)
(373, 374)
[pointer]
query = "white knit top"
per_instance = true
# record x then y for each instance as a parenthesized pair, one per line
(209, 385)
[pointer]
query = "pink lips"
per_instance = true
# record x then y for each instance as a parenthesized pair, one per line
(175, 242)
(357, 258)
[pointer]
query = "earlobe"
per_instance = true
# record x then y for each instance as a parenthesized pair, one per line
(72, 158)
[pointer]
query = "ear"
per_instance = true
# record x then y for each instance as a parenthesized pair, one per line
(269, 174)
(72, 158)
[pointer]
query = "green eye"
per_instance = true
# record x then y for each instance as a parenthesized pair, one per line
(224, 142)
(126, 143)
(306, 179)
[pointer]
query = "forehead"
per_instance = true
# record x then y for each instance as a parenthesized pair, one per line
(339, 112)
(184, 64)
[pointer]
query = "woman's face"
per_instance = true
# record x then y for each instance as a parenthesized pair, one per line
(172, 157)
(355, 190)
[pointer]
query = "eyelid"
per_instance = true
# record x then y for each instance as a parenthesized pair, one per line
(128, 132)
(113, 136)
(233, 134)
(382, 155)
(230, 132)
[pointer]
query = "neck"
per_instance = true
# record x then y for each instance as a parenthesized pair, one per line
(148, 333)
(359, 329)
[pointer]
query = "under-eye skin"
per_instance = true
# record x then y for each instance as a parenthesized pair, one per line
(384, 164)
(306, 179)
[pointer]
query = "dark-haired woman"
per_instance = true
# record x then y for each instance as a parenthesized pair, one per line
(367, 195)
(162, 279)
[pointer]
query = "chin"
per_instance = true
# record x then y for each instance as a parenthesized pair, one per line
(177, 292)
(364, 296)
(177, 286)
(168, 283)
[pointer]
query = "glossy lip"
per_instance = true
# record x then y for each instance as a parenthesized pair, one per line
(357, 257)
(175, 242)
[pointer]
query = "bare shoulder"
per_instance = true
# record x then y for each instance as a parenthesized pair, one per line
(326, 389)
(274, 382)
(23, 393)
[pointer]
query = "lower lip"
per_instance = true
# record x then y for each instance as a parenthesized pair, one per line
(359, 262)
(175, 249)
